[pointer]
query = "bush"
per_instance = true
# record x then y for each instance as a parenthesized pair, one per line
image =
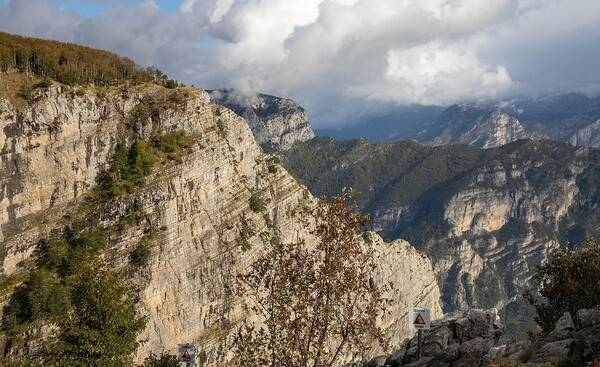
(43, 296)
(315, 304)
(257, 204)
(171, 142)
(171, 84)
(140, 255)
(102, 330)
(165, 360)
(571, 281)
(128, 169)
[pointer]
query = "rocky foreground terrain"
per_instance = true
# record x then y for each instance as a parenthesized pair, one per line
(472, 338)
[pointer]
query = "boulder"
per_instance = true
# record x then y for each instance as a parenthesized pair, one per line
(472, 352)
(563, 327)
(588, 317)
(554, 351)
(377, 362)
(479, 323)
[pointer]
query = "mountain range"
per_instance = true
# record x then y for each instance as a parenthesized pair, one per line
(570, 118)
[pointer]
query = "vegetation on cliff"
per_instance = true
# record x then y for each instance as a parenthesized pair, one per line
(131, 165)
(570, 282)
(318, 303)
(68, 63)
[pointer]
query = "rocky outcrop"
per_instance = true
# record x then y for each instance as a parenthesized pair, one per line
(472, 338)
(473, 125)
(196, 216)
(277, 123)
(588, 136)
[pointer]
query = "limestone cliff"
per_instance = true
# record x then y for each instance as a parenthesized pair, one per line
(194, 212)
(277, 123)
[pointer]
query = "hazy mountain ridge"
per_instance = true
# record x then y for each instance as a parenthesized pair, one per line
(569, 118)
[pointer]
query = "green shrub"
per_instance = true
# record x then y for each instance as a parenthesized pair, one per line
(140, 256)
(44, 84)
(128, 169)
(171, 142)
(43, 296)
(164, 360)
(221, 128)
(102, 330)
(257, 204)
(171, 84)
(569, 282)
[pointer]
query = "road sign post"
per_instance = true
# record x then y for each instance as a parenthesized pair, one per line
(419, 319)
(186, 354)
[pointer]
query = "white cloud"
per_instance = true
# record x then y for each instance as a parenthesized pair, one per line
(329, 53)
(435, 74)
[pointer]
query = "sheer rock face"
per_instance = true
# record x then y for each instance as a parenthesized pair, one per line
(415, 285)
(473, 125)
(277, 123)
(198, 209)
(498, 226)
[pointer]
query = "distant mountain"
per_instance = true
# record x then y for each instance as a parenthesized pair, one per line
(486, 217)
(277, 123)
(473, 125)
(570, 118)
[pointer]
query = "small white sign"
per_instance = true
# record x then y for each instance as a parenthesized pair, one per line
(418, 318)
(187, 353)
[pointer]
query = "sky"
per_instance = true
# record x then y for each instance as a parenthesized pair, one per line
(341, 58)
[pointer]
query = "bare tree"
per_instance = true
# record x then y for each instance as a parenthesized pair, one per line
(317, 303)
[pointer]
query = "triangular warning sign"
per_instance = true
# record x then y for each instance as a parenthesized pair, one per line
(186, 355)
(419, 320)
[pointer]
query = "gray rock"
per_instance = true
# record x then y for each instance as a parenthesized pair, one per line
(377, 362)
(512, 352)
(478, 323)
(396, 358)
(437, 340)
(277, 123)
(472, 352)
(553, 352)
(564, 326)
(588, 317)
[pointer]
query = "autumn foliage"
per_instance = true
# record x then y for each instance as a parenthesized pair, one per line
(68, 63)
(317, 303)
